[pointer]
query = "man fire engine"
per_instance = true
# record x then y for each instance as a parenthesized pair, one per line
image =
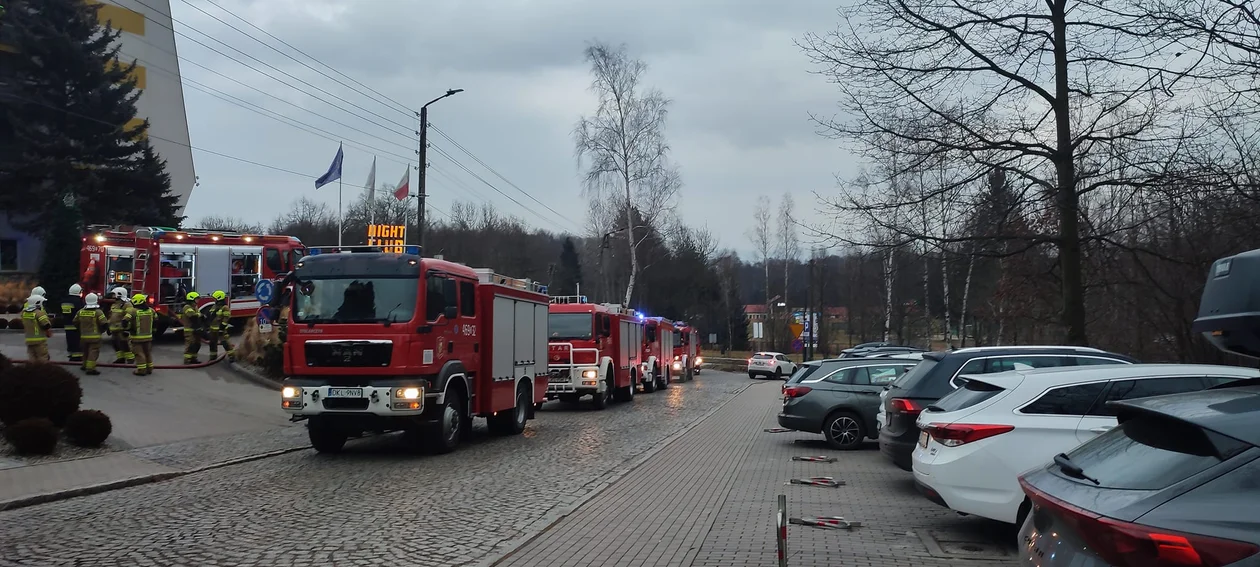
(165, 264)
(594, 350)
(381, 342)
(658, 350)
(686, 351)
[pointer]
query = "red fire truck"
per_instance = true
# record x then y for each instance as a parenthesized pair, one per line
(594, 350)
(381, 341)
(658, 350)
(686, 351)
(167, 263)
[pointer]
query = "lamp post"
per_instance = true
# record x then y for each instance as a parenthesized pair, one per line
(424, 164)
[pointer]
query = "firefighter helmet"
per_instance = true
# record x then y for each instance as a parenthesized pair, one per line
(119, 293)
(91, 300)
(38, 292)
(192, 296)
(34, 301)
(138, 299)
(219, 295)
(76, 289)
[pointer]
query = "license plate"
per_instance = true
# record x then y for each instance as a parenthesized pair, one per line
(923, 439)
(345, 392)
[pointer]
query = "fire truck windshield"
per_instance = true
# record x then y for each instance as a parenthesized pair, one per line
(355, 300)
(570, 326)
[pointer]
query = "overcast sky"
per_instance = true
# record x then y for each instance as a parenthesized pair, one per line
(739, 124)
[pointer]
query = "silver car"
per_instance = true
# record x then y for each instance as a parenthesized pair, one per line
(1176, 483)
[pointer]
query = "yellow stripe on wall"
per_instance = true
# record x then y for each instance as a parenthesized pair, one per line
(139, 72)
(120, 18)
(135, 123)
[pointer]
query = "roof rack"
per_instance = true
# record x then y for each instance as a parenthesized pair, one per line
(412, 250)
(1029, 347)
(487, 275)
(561, 299)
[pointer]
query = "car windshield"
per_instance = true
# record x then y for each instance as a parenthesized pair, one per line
(569, 326)
(760, 356)
(803, 372)
(355, 300)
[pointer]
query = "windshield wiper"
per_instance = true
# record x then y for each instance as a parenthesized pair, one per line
(1071, 469)
(389, 317)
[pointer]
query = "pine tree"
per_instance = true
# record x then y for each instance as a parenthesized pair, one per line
(65, 111)
(569, 272)
(59, 266)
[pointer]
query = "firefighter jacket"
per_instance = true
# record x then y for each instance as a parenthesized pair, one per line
(90, 322)
(190, 318)
(70, 307)
(120, 316)
(221, 317)
(36, 325)
(143, 324)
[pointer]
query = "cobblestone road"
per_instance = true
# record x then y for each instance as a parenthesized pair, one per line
(376, 504)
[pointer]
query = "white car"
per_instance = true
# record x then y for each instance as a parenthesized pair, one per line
(976, 441)
(770, 364)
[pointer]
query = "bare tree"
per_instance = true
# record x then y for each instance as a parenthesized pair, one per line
(1032, 88)
(762, 239)
(623, 143)
(789, 242)
(231, 224)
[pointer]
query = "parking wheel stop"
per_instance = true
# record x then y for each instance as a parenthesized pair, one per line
(817, 481)
(816, 459)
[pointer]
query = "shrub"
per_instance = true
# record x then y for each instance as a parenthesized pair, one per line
(38, 390)
(272, 362)
(16, 324)
(88, 428)
(35, 436)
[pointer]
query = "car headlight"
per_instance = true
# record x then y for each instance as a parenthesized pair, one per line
(407, 393)
(291, 392)
(591, 374)
(699, 360)
(677, 365)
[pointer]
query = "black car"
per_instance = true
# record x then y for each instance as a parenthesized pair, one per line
(937, 375)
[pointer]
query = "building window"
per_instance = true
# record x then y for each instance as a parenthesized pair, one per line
(8, 255)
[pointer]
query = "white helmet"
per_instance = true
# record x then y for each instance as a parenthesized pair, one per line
(38, 291)
(76, 289)
(119, 293)
(92, 300)
(34, 301)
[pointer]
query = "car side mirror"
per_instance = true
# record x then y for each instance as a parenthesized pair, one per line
(451, 311)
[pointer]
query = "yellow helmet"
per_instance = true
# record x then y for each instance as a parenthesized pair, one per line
(219, 295)
(192, 296)
(138, 299)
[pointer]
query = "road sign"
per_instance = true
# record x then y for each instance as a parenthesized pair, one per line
(712, 338)
(264, 316)
(264, 290)
(798, 345)
(796, 328)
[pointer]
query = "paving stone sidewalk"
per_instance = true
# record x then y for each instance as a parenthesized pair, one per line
(708, 500)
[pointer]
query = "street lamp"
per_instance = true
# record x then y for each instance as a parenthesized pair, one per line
(424, 163)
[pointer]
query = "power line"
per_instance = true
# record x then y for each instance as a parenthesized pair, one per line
(488, 184)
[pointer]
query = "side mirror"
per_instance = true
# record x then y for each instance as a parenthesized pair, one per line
(451, 311)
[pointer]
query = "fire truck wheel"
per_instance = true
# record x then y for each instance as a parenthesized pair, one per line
(662, 379)
(626, 394)
(649, 385)
(325, 436)
(448, 431)
(600, 399)
(513, 423)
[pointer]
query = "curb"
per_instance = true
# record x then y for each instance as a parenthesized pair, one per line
(133, 481)
(254, 377)
(601, 484)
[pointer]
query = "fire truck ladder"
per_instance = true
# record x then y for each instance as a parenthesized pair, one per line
(140, 264)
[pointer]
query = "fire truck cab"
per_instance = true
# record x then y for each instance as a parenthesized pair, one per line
(594, 349)
(659, 337)
(686, 351)
(384, 341)
(166, 263)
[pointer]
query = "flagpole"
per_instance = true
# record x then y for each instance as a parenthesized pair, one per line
(340, 217)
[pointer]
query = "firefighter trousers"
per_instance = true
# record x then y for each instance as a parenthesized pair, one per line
(144, 357)
(220, 337)
(122, 347)
(192, 345)
(37, 352)
(74, 345)
(91, 353)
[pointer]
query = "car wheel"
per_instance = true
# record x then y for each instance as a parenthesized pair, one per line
(752, 376)
(778, 373)
(448, 432)
(844, 431)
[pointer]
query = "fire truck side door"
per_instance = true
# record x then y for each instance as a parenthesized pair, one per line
(467, 337)
(441, 293)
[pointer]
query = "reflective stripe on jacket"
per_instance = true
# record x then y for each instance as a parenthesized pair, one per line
(70, 307)
(143, 325)
(189, 317)
(91, 320)
(119, 316)
(222, 317)
(35, 323)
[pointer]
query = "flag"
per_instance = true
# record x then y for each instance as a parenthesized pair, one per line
(334, 170)
(404, 186)
(371, 182)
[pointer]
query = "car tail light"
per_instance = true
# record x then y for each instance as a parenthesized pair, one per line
(1125, 544)
(958, 434)
(904, 405)
(796, 391)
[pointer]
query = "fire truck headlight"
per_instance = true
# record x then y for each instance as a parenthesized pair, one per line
(590, 374)
(677, 365)
(699, 360)
(290, 392)
(407, 393)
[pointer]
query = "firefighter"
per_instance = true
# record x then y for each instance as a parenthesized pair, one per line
(70, 307)
(37, 327)
(190, 318)
(121, 316)
(142, 338)
(39, 291)
(91, 320)
(220, 321)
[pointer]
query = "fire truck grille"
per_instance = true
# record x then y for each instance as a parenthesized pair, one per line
(345, 403)
(355, 354)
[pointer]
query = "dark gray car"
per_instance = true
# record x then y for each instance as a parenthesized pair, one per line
(1174, 484)
(839, 397)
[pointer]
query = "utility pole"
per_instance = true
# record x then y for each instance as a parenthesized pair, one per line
(424, 165)
(809, 314)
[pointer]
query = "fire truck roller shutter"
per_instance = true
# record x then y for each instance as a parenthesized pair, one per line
(212, 269)
(541, 315)
(504, 341)
(451, 376)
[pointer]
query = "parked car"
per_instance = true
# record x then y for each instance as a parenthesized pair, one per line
(938, 373)
(887, 351)
(902, 355)
(976, 441)
(1173, 485)
(856, 349)
(770, 364)
(838, 398)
